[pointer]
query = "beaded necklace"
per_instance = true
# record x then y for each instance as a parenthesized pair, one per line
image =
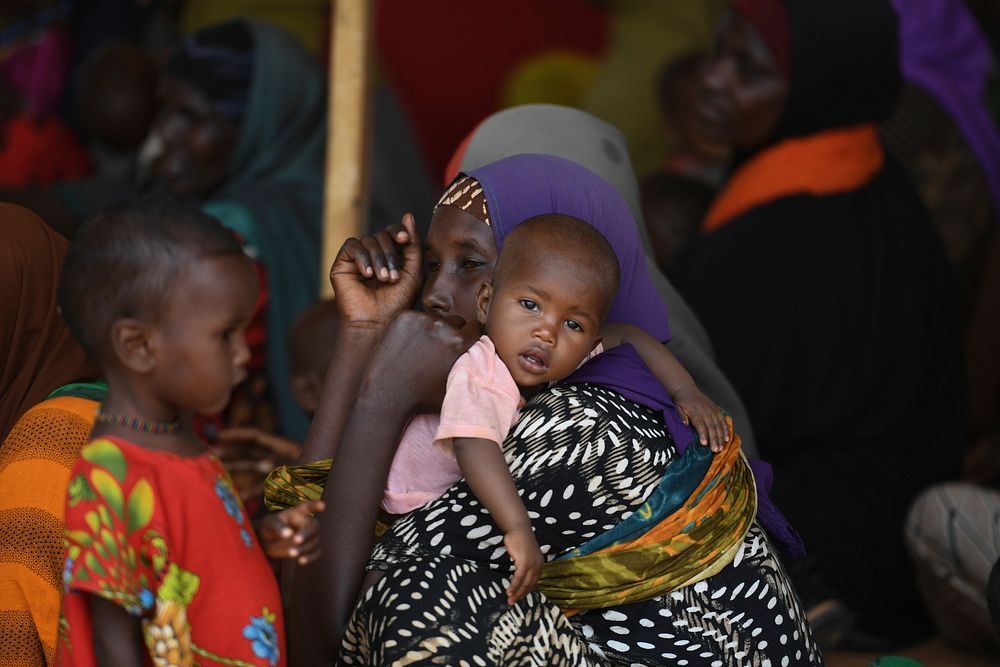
(137, 424)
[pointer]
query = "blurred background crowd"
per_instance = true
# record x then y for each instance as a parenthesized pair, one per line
(105, 99)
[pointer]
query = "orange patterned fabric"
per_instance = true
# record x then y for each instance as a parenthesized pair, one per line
(35, 462)
(826, 163)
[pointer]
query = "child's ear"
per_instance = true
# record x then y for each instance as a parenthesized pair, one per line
(132, 345)
(483, 301)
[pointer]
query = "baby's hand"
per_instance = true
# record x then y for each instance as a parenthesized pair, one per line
(523, 549)
(293, 533)
(708, 419)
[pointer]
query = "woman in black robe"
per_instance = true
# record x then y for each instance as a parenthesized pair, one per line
(826, 292)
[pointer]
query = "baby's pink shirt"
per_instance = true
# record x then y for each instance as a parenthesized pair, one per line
(420, 471)
(481, 401)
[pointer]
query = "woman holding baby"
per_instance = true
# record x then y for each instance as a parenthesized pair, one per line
(608, 473)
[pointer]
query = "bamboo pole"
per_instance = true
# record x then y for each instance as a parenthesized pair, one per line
(346, 194)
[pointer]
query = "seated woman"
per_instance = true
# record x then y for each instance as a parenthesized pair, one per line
(243, 129)
(601, 147)
(585, 456)
(827, 294)
(244, 139)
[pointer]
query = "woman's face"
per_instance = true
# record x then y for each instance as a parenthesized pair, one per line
(742, 92)
(198, 143)
(459, 256)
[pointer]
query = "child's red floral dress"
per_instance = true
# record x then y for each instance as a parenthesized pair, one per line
(167, 539)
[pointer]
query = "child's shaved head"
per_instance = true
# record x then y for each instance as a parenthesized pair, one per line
(557, 238)
(122, 262)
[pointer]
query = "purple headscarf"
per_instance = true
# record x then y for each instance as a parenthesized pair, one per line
(943, 52)
(522, 186)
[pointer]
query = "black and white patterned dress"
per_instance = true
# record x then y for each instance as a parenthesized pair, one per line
(583, 458)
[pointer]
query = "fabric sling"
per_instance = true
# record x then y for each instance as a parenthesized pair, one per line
(686, 531)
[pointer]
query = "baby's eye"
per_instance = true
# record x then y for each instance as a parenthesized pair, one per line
(432, 267)
(574, 326)
(528, 304)
(227, 334)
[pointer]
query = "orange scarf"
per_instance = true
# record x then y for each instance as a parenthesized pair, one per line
(826, 163)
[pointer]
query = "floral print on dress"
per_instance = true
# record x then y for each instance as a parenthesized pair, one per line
(263, 637)
(224, 490)
(117, 548)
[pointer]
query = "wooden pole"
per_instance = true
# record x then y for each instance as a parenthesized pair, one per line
(349, 121)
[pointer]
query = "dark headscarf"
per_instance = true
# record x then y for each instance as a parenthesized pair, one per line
(770, 19)
(38, 353)
(834, 315)
(219, 62)
(843, 64)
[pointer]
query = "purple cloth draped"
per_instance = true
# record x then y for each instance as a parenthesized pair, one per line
(943, 52)
(522, 186)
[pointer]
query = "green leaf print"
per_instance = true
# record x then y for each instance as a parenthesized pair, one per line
(93, 520)
(128, 555)
(105, 515)
(80, 490)
(156, 550)
(140, 505)
(79, 537)
(95, 565)
(179, 585)
(109, 542)
(106, 454)
(109, 488)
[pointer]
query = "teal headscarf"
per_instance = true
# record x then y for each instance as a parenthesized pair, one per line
(273, 195)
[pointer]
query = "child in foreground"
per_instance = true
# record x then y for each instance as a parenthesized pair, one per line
(162, 561)
(543, 315)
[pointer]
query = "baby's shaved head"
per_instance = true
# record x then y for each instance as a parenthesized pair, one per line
(561, 239)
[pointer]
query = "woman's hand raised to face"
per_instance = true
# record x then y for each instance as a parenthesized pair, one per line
(379, 275)
(416, 354)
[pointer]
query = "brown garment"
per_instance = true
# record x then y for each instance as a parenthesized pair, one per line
(37, 353)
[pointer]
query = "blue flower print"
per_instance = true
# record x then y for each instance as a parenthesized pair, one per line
(68, 572)
(229, 501)
(262, 636)
(146, 598)
(224, 490)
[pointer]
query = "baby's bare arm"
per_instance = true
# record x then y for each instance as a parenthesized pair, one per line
(488, 476)
(653, 353)
(696, 408)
